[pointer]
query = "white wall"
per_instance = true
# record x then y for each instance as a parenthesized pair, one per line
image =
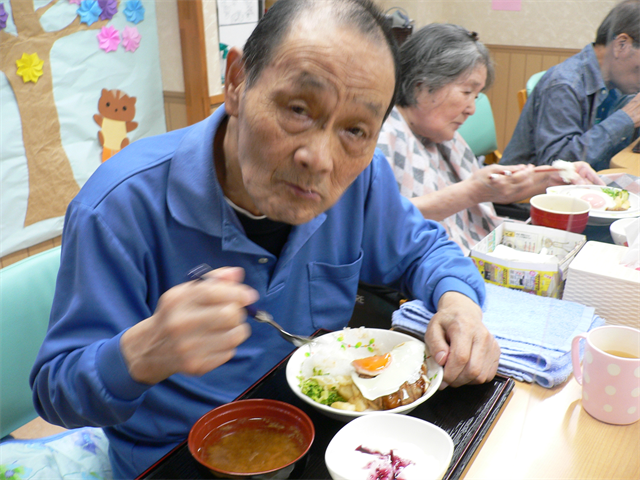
(540, 23)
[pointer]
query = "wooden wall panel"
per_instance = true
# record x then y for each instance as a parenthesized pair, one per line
(498, 95)
(517, 79)
(194, 59)
(175, 110)
(27, 252)
(533, 65)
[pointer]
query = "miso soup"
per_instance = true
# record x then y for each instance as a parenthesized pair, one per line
(251, 445)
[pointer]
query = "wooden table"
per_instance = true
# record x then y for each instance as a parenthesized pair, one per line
(546, 434)
(628, 160)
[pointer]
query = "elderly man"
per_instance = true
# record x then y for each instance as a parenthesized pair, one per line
(277, 190)
(585, 108)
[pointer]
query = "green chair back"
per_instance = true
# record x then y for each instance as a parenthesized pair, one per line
(26, 296)
(479, 131)
(533, 80)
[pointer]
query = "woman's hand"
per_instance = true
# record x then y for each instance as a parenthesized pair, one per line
(507, 184)
(587, 176)
(504, 183)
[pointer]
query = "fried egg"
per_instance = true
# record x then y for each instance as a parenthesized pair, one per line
(332, 356)
(404, 365)
(595, 197)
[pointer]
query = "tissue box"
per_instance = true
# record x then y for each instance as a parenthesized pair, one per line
(542, 279)
(597, 279)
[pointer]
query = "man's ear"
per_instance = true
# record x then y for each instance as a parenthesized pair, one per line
(622, 45)
(234, 79)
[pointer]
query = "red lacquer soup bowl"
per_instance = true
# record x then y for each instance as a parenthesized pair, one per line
(251, 438)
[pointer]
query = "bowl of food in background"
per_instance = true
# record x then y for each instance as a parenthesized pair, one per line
(560, 211)
(357, 371)
(256, 438)
(383, 445)
(619, 230)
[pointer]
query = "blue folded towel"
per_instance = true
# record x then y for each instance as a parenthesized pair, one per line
(534, 333)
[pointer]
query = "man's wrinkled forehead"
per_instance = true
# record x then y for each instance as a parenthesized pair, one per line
(312, 24)
(306, 81)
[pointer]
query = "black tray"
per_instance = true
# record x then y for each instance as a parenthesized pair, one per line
(465, 413)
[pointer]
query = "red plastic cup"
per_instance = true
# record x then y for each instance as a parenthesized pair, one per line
(560, 211)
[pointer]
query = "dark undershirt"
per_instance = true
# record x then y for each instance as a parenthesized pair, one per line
(268, 234)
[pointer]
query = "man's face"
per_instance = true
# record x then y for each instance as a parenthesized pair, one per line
(625, 66)
(309, 125)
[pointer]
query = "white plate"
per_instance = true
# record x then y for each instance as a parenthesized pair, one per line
(600, 217)
(425, 448)
(385, 341)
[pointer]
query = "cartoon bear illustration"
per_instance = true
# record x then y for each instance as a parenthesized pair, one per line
(115, 120)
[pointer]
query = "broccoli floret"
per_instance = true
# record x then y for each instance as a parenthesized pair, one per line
(616, 193)
(324, 395)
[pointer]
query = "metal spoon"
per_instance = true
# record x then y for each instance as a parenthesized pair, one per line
(259, 315)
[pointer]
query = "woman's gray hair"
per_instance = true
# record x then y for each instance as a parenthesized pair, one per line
(437, 55)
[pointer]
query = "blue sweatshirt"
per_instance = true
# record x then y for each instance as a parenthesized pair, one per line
(156, 210)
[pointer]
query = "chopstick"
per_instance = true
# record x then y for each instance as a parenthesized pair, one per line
(495, 176)
(547, 168)
(538, 169)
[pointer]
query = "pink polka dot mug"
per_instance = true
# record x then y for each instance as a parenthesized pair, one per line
(610, 373)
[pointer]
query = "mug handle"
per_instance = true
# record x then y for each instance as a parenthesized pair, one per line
(575, 357)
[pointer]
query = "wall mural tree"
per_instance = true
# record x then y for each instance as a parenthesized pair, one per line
(51, 181)
(40, 42)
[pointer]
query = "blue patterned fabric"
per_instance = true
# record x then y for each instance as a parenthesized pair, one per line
(80, 454)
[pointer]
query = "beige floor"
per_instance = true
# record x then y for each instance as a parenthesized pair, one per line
(36, 428)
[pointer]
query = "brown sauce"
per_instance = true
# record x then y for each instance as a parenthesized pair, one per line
(252, 445)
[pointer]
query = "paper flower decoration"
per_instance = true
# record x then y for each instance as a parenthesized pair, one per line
(3, 17)
(30, 67)
(109, 9)
(134, 11)
(108, 39)
(75, 2)
(131, 39)
(89, 11)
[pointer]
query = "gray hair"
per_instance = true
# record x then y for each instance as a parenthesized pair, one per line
(437, 55)
(362, 15)
(623, 18)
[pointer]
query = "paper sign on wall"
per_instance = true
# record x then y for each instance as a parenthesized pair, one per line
(512, 5)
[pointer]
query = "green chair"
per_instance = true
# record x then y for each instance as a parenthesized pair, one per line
(26, 295)
(526, 92)
(479, 131)
(533, 80)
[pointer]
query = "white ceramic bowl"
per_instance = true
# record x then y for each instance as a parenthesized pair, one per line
(618, 229)
(426, 446)
(385, 340)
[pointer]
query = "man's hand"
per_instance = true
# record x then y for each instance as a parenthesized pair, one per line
(460, 342)
(196, 327)
(633, 110)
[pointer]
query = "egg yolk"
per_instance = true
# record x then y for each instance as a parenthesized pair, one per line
(595, 200)
(372, 365)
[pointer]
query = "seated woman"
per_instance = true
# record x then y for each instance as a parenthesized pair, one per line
(443, 68)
